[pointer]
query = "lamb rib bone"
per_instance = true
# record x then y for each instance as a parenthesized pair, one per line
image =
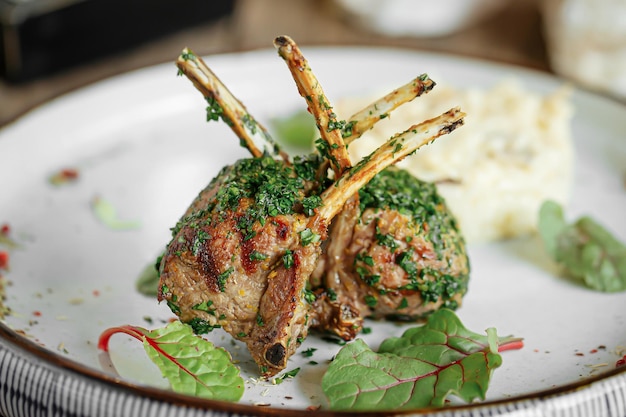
(364, 120)
(311, 90)
(252, 134)
(255, 136)
(395, 149)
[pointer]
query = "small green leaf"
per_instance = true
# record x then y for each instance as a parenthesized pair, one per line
(587, 251)
(297, 130)
(288, 374)
(107, 215)
(192, 365)
(551, 224)
(419, 369)
(148, 281)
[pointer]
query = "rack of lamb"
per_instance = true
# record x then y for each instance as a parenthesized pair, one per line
(275, 245)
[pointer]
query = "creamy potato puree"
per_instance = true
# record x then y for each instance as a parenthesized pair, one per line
(514, 152)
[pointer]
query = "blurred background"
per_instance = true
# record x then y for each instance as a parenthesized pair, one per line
(51, 47)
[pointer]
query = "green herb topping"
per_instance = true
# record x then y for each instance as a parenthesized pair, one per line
(397, 189)
(288, 259)
(307, 236)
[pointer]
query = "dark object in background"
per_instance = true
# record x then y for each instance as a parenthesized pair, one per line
(41, 37)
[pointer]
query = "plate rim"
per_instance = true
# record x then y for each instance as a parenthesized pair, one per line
(161, 395)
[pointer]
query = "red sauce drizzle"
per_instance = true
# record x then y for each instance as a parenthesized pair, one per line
(4, 260)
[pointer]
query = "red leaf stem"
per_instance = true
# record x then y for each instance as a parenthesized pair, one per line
(511, 345)
(103, 341)
(140, 334)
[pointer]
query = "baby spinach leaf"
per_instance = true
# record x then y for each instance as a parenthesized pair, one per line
(193, 365)
(419, 369)
(587, 251)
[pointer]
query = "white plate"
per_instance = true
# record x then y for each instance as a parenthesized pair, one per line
(140, 142)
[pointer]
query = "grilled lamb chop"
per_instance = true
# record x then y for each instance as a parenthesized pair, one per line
(243, 255)
(397, 254)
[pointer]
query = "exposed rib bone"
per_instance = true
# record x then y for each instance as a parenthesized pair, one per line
(395, 149)
(311, 90)
(365, 119)
(252, 135)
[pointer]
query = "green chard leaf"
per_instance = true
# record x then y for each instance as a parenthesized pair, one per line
(192, 365)
(419, 369)
(585, 249)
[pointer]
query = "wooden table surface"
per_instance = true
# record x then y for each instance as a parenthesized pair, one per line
(512, 35)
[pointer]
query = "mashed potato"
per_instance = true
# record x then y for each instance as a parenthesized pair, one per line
(513, 153)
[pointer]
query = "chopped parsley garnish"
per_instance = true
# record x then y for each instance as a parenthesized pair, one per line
(405, 262)
(274, 187)
(288, 259)
(205, 306)
(397, 189)
(215, 112)
(366, 259)
(370, 300)
(309, 296)
(257, 256)
(310, 203)
(386, 240)
(199, 240)
(221, 278)
(201, 326)
(332, 295)
(289, 374)
(323, 148)
(188, 56)
(307, 236)
(308, 352)
(171, 303)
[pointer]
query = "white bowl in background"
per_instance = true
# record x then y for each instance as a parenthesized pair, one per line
(425, 18)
